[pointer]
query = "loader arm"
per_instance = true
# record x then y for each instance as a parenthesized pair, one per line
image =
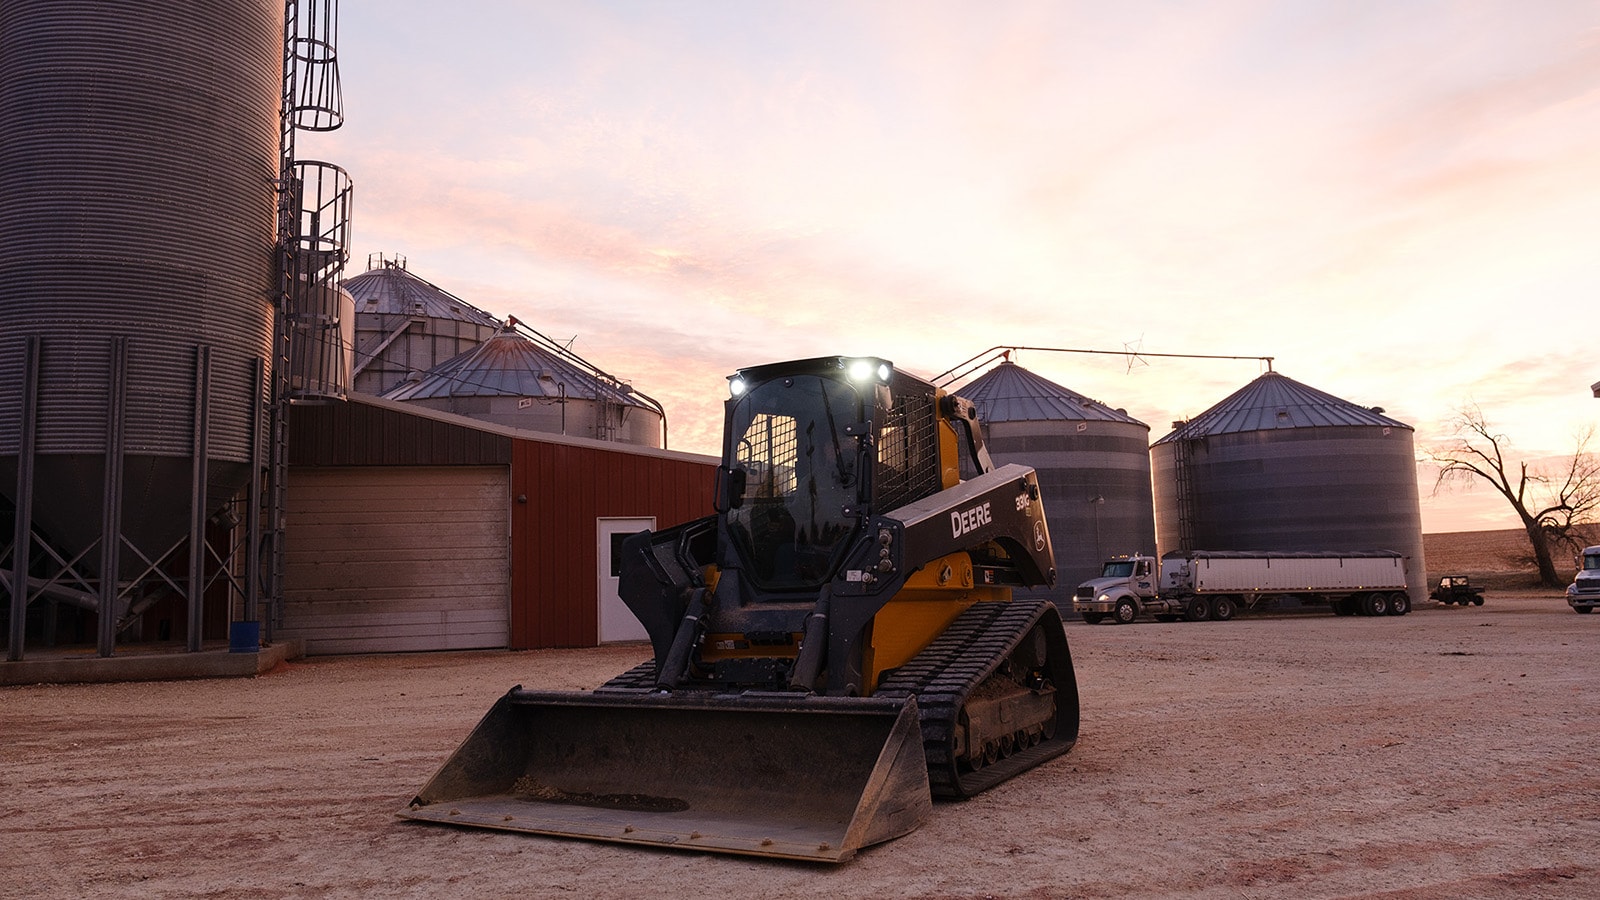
(997, 507)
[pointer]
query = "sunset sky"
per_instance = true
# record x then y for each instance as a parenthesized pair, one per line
(1397, 201)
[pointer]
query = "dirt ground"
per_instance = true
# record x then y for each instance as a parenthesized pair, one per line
(1448, 753)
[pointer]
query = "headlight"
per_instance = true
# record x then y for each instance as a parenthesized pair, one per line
(737, 386)
(1104, 598)
(862, 371)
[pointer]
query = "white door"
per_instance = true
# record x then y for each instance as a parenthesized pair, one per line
(617, 622)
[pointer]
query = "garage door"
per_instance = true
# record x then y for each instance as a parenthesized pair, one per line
(389, 558)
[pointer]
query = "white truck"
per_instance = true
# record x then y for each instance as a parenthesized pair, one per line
(1583, 594)
(1214, 584)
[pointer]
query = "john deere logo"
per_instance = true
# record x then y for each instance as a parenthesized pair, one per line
(969, 520)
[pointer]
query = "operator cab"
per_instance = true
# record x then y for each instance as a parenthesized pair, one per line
(811, 449)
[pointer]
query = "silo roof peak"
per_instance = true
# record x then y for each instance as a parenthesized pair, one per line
(1010, 393)
(1275, 401)
(395, 290)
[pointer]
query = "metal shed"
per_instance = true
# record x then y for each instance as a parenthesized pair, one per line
(414, 529)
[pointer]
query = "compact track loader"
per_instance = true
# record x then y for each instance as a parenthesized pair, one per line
(833, 648)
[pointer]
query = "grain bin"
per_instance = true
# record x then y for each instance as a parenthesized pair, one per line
(139, 158)
(1093, 463)
(406, 325)
(1284, 467)
(520, 379)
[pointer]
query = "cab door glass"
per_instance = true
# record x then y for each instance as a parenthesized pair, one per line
(799, 476)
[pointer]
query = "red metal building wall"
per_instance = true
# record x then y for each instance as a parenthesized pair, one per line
(554, 558)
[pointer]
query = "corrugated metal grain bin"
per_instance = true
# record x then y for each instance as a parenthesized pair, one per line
(1093, 463)
(139, 157)
(1282, 466)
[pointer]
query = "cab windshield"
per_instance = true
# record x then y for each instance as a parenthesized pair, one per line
(1117, 570)
(800, 473)
(1591, 562)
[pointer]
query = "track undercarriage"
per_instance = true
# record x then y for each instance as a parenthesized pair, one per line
(996, 695)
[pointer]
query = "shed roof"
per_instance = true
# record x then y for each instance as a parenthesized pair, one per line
(512, 364)
(1275, 401)
(1010, 393)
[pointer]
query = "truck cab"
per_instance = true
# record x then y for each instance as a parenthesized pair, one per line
(1125, 586)
(1583, 595)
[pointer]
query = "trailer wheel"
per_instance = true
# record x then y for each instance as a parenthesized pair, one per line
(1125, 612)
(1478, 601)
(1197, 609)
(1399, 603)
(1093, 618)
(1223, 608)
(1375, 604)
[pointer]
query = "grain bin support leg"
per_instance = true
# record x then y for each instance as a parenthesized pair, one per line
(111, 503)
(252, 541)
(23, 536)
(197, 496)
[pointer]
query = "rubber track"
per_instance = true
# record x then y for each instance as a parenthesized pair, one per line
(639, 679)
(945, 673)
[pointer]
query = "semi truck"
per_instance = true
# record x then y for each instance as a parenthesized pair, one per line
(1198, 585)
(1583, 594)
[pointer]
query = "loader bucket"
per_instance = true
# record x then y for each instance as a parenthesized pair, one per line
(790, 776)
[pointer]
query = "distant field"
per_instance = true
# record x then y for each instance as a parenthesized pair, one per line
(1502, 558)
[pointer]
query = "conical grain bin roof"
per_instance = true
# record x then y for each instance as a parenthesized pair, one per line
(516, 379)
(1010, 393)
(1275, 401)
(511, 364)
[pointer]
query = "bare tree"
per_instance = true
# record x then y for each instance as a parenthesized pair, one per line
(1552, 504)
